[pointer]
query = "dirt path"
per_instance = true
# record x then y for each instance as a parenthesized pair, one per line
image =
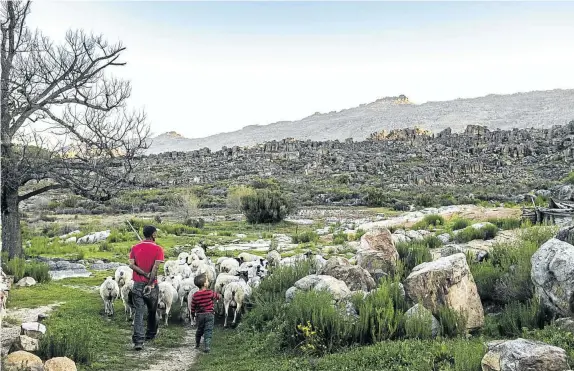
(11, 328)
(176, 359)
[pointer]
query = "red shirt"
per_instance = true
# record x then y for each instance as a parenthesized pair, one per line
(202, 301)
(145, 254)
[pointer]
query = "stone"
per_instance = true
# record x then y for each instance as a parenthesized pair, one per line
(522, 355)
(32, 329)
(418, 311)
(377, 263)
(60, 364)
(26, 282)
(446, 281)
(22, 361)
(356, 277)
(94, 237)
(398, 238)
(333, 262)
(336, 287)
(444, 238)
(565, 324)
(414, 235)
(25, 343)
(106, 266)
(553, 276)
(72, 239)
(379, 239)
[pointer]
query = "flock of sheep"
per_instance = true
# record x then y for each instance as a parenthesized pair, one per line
(232, 278)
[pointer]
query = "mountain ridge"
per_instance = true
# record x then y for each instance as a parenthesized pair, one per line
(540, 109)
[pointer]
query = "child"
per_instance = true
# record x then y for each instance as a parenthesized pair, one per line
(202, 305)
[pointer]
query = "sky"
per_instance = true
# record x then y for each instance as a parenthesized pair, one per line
(202, 68)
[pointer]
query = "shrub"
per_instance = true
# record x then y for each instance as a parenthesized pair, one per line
(418, 325)
(265, 206)
(506, 223)
(554, 336)
(340, 238)
(486, 232)
(413, 253)
(234, 195)
(305, 237)
(516, 316)
(428, 221)
(20, 268)
(195, 223)
(452, 323)
(458, 223)
(73, 340)
(569, 178)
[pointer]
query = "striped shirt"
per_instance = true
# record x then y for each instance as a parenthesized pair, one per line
(202, 302)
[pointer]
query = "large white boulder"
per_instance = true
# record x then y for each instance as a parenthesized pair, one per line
(356, 277)
(26, 282)
(94, 237)
(522, 354)
(446, 282)
(316, 282)
(553, 276)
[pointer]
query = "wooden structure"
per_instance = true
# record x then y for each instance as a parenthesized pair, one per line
(557, 212)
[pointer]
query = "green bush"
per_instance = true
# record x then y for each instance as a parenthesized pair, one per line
(468, 234)
(419, 325)
(265, 206)
(413, 253)
(569, 178)
(195, 223)
(516, 316)
(20, 268)
(554, 336)
(506, 223)
(305, 237)
(432, 220)
(69, 339)
(340, 238)
(459, 223)
(452, 323)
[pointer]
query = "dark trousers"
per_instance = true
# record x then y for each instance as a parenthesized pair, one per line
(205, 323)
(143, 303)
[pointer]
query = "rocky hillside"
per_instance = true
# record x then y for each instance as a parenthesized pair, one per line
(541, 109)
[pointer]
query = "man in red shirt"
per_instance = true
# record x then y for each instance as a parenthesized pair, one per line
(145, 258)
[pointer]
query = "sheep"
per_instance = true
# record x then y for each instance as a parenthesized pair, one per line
(125, 296)
(235, 295)
(209, 272)
(171, 268)
(273, 257)
(175, 281)
(122, 275)
(199, 252)
(188, 309)
(227, 265)
(109, 291)
(247, 257)
(195, 266)
(167, 298)
(185, 271)
(185, 287)
(182, 258)
(254, 281)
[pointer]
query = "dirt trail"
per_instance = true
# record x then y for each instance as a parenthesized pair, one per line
(181, 358)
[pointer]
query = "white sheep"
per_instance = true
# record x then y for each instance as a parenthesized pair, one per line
(254, 282)
(228, 264)
(247, 257)
(273, 257)
(125, 296)
(200, 252)
(188, 306)
(171, 268)
(185, 271)
(123, 274)
(185, 287)
(109, 291)
(235, 295)
(182, 258)
(222, 280)
(209, 272)
(167, 298)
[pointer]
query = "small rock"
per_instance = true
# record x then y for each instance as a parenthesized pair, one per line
(444, 238)
(60, 364)
(33, 329)
(23, 361)
(25, 343)
(26, 282)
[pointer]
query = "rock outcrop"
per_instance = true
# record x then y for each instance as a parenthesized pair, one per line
(336, 287)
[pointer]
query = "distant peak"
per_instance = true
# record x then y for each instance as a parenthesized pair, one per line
(171, 134)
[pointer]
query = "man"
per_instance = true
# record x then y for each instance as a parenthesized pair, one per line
(145, 258)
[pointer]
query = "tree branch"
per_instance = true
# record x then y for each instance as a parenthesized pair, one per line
(39, 191)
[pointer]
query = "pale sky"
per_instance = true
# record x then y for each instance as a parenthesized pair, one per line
(201, 68)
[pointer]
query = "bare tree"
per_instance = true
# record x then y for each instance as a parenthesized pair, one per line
(64, 121)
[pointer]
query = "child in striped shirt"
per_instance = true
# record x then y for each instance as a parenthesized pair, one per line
(201, 305)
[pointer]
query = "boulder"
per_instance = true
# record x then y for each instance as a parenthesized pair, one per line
(398, 238)
(379, 240)
(565, 324)
(418, 312)
(446, 282)
(25, 343)
(444, 238)
(26, 281)
(72, 239)
(333, 262)
(32, 329)
(356, 277)
(22, 361)
(522, 354)
(60, 364)
(377, 263)
(414, 235)
(553, 276)
(316, 282)
(94, 237)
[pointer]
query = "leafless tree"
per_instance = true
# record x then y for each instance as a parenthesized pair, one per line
(64, 121)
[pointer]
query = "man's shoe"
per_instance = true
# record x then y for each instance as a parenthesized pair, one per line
(197, 346)
(207, 350)
(149, 338)
(138, 346)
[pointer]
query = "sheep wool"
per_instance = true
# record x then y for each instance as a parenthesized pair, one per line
(109, 291)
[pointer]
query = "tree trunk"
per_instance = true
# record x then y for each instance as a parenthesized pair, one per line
(11, 233)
